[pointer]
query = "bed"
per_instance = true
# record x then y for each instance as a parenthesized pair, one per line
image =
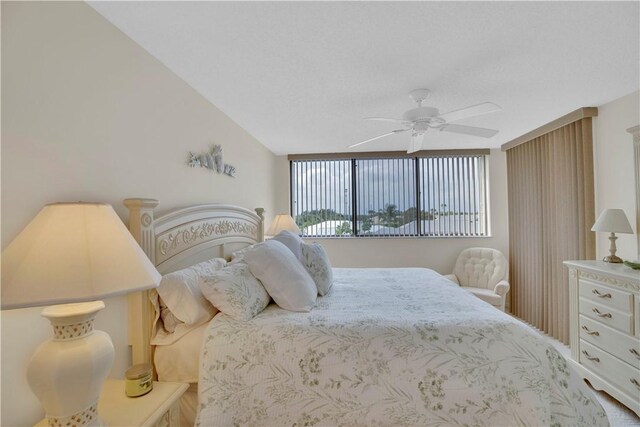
(384, 347)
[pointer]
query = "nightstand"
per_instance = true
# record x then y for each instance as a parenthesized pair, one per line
(158, 408)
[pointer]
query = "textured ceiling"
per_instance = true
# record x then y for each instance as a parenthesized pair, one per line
(300, 76)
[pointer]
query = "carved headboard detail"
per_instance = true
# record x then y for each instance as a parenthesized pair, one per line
(179, 239)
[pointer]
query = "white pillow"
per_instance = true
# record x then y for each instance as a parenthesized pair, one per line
(235, 291)
(180, 292)
(282, 275)
(169, 320)
(238, 255)
(161, 333)
(291, 241)
(316, 261)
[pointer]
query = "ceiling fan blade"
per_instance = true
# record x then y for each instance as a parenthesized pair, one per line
(416, 143)
(475, 110)
(469, 130)
(378, 137)
(384, 119)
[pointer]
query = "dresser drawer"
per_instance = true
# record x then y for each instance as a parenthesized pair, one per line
(623, 346)
(625, 376)
(622, 321)
(600, 294)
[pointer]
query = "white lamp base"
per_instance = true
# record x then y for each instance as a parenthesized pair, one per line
(612, 258)
(67, 372)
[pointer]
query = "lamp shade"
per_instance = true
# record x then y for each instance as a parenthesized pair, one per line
(73, 252)
(283, 222)
(612, 221)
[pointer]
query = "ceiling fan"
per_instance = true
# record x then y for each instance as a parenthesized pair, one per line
(419, 120)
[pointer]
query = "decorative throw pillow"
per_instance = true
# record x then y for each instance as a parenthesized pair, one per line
(282, 275)
(235, 291)
(291, 241)
(316, 261)
(180, 292)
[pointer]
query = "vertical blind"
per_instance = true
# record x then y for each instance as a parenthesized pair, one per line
(321, 197)
(440, 195)
(386, 197)
(453, 189)
(551, 211)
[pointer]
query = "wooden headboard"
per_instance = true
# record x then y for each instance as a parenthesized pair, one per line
(179, 239)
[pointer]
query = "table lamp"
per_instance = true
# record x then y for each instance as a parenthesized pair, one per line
(612, 221)
(283, 222)
(70, 255)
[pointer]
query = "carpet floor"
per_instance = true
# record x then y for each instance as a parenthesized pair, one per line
(618, 414)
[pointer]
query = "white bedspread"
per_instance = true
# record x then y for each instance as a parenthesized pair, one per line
(388, 347)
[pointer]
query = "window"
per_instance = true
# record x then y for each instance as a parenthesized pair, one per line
(439, 195)
(386, 197)
(322, 197)
(453, 196)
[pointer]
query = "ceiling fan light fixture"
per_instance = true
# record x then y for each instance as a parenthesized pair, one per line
(420, 127)
(419, 120)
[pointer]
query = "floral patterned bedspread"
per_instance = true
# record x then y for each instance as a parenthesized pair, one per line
(388, 347)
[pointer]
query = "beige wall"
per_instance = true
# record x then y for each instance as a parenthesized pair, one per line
(614, 169)
(435, 253)
(87, 114)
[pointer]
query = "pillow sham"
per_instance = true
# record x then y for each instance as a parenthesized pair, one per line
(316, 261)
(180, 292)
(161, 333)
(238, 255)
(291, 241)
(235, 291)
(169, 320)
(282, 275)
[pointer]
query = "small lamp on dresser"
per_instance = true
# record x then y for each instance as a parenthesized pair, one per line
(69, 256)
(283, 222)
(612, 221)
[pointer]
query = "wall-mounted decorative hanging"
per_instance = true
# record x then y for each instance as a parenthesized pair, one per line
(212, 161)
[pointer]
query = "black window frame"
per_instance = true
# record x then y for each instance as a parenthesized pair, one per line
(418, 159)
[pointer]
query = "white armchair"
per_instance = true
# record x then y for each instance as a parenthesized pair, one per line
(484, 273)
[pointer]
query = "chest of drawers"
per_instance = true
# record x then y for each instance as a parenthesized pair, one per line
(604, 310)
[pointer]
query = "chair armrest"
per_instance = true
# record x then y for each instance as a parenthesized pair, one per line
(452, 277)
(502, 288)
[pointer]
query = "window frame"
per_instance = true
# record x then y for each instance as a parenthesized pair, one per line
(418, 177)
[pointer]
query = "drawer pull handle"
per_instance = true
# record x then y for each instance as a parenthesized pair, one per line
(599, 295)
(635, 382)
(595, 333)
(595, 359)
(634, 352)
(596, 311)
